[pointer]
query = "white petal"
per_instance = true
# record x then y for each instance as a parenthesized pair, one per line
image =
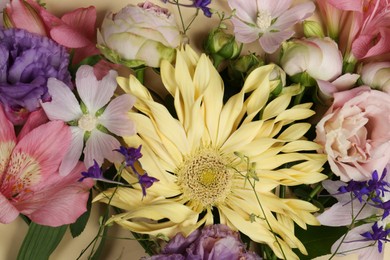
(63, 105)
(74, 152)
(115, 117)
(95, 94)
(101, 146)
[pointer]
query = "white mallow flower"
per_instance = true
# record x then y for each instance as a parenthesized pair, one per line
(92, 120)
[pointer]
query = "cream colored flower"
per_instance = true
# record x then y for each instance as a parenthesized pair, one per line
(192, 154)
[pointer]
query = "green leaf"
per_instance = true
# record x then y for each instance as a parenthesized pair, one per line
(40, 241)
(78, 227)
(318, 240)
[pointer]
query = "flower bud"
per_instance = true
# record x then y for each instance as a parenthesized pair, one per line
(313, 29)
(139, 35)
(377, 75)
(21, 14)
(221, 45)
(242, 66)
(319, 58)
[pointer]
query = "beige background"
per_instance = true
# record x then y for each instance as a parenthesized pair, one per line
(11, 235)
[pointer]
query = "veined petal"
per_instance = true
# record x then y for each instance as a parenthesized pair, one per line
(8, 212)
(63, 105)
(115, 118)
(60, 202)
(7, 140)
(100, 146)
(34, 120)
(73, 154)
(293, 15)
(246, 11)
(95, 94)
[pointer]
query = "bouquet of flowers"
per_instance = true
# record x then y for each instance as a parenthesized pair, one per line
(265, 138)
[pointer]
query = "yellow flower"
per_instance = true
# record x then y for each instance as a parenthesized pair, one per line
(193, 155)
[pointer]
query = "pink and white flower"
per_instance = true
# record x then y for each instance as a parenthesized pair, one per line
(269, 21)
(93, 119)
(354, 133)
(29, 180)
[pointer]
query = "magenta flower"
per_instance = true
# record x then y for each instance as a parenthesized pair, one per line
(29, 180)
(269, 21)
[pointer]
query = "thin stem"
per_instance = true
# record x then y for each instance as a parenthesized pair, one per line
(140, 74)
(349, 229)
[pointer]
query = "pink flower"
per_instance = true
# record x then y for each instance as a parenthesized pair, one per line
(268, 21)
(29, 180)
(75, 30)
(354, 133)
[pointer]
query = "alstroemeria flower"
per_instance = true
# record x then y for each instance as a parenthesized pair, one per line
(29, 179)
(269, 21)
(93, 118)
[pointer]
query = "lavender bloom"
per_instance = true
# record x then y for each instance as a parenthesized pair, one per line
(212, 242)
(378, 234)
(146, 181)
(26, 62)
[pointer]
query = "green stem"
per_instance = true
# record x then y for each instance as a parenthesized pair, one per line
(349, 229)
(315, 191)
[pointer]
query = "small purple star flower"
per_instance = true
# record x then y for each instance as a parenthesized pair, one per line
(131, 154)
(378, 234)
(94, 172)
(202, 4)
(146, 181)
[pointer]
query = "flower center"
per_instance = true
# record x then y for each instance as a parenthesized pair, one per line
(205, 177)
(263, 20)
(88, 122)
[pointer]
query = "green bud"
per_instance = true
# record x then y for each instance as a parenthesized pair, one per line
(313, 29)
(242, 66)
(304, 79)
(221, 45)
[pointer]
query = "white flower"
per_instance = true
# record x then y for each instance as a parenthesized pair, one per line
(92, 118)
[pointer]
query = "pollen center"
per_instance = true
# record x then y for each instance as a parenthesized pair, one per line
(205, 178)
(263, 20)
(88, 122)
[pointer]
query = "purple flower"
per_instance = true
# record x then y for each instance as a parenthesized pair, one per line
(212, 242)
(146, 181)
(26, 62)
(94, 172)
(131, 154)
(378, 234)
(202, 4)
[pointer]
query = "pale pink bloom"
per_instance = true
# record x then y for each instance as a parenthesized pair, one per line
(377, 75)
(329, 88)
(29, 180)
(76, 29)
(364, 25)
(318, 57)
(88, 122)
(269, 21)
(354, 133)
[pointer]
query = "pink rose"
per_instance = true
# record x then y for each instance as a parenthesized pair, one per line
(354, 133)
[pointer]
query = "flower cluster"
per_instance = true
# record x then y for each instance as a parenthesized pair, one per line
(279, 126)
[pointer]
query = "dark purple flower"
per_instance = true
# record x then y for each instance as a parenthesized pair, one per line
(146, 181)
(94, 172)
(378, 234)
(131, 154)
(27, 61)
(202, 4)
(212, 242)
